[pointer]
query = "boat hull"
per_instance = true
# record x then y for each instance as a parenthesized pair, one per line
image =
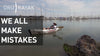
(46, 31)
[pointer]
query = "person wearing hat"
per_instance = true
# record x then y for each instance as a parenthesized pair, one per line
(54, 26)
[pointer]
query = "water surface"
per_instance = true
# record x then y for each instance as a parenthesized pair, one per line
(53, 43)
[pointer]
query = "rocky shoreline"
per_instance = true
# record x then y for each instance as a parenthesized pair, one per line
(85, 46)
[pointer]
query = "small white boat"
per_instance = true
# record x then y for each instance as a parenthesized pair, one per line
(45, 31)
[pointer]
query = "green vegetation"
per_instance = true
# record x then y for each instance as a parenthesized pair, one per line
(72, 50)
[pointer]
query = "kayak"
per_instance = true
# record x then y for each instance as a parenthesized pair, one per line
(45, 31)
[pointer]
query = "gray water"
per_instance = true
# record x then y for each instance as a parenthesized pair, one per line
(53, 43)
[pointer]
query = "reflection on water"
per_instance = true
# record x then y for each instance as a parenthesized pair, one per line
(57, 36)
(53, 43)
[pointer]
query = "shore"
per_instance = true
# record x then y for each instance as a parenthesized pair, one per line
(85, 46)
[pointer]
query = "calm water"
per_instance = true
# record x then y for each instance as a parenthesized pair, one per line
(53, 43)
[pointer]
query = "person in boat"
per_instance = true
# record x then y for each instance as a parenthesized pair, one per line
(54, 26)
